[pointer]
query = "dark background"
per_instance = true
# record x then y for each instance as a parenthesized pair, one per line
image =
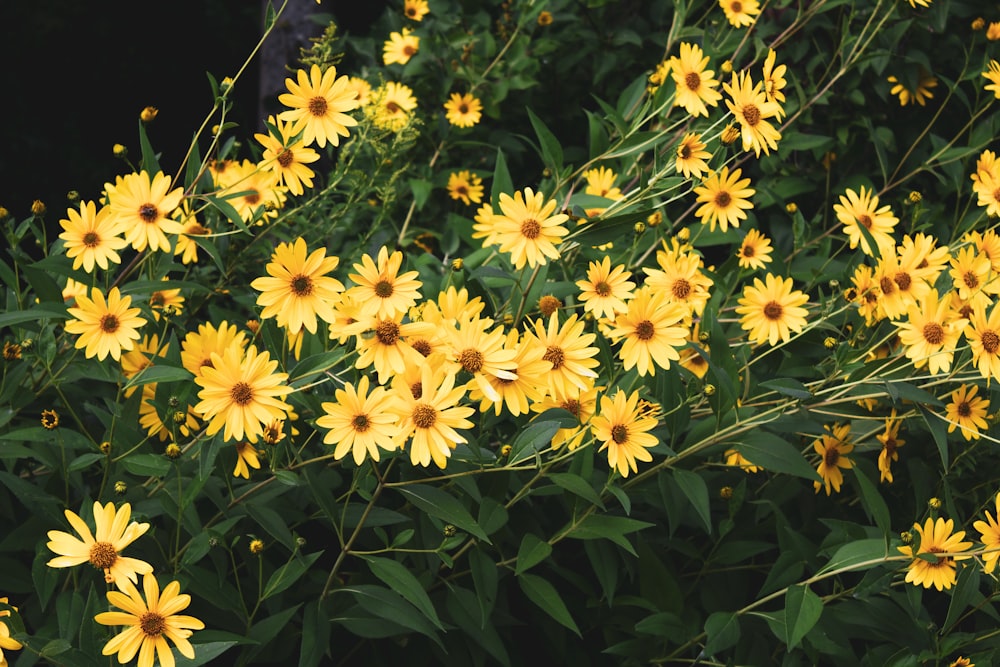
(75, 76)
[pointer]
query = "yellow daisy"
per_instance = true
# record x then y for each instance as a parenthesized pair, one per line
(936, 537)
(581, 403)
(724, 198)
(105, 327)
(624, 432)
(696, 86)
(833, 449)
(465, 186)
(388, 347)
(862, 209)
(569, 350)
(691, 156)
(400, 47)
(92, 236)
(755, 251)
(967, 412)
(601, 182)
(989, 535)
(142, 207)
(380, 289)
(198, 346)
(415, 10)
(287, 156)
(891, 442)
(528, 384)
(736, 459)
(318, 104)
(993, 75)
(680, 280)
(751, 107)
(931, 332)
(297, 289)
(391, 106)
(774, 81)
(983, 335)
(920, 94)
(528, 228)
(481, 353)
(463, 110)
(429, 421)
(740, 13)
(771, 310)
(102, 548)
(359, 422)
(653, 330)
(6, 643)
(606, 289)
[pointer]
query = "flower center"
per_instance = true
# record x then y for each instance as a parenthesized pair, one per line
(253, 197)
(736, 6)
(933, 333)
(463, 108)
(681, 289)
(888, 287)
(530, 229)
(387, 332)
(472, 360)
(149, 213)
(990, 341)
(684, 152)
(360, 423)
(286, 158)
(102, 555)
(408, 50)
(692, 80)
(91, 239)
(109, 323)
(645, 330)
(748, 251)
(773, 310)
(619, 433)
(890, 445)
(317, 106)
(424, 415)
(964, 409)
(831, 457)
(383, 289)
(571, 405)
(241, 393)
(903, 280)
(302, 285)
(970, 279)
(723, 199)
(602, 289)
(392, 107)
(462, 190)
(152, 624)
(751, 114)
(416, 390)
(865, 220)
(422, 346)
(554, 355)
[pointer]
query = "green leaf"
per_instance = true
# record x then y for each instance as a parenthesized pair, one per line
(272, 521)
(442, 505)
(966, 589)
(787, 387)
(694, 487)
(395, 575)
(315, 636)
(859, 554)
(802, 611)
(203, 653)
(552, 154)
(535, 438)
(390, 606)
(288, 574)
(149, 465)
(938, 431)
(723, 630)
(545, 595)
(614, 528)
(46, 312)
(775, 454)
(159, 373)
(533, 551)
(265, 631)
(502, 182)
(577, 486)
(313, 365)
(492, 515)
(871, 499)
(485, 578)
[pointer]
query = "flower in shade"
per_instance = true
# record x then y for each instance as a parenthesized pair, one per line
(680, 279)
(287, 156)
(254, 192)
(983, 335)
(569, 350)
(724, 198)
(967, 412)
(740, 13)
(416, 10)
(862, 209)
(752, 108)
(891, 442)
(6, 642)
(429, 420)
(936, 537)
(691, 156)
(380, 289)
(774, 80)
(931, 332)
(833, 449)
(528, 228)
(105, 326)
(653, 331)
(606, 289)
(755, 251)
(993, 31)
(624, 432)
(247, 457)
(400, 47)
(359, 422)
(465, 186)
(771, 310)
(696, 86)
(391, 106)
(92, 236)
(993, 75)
(989, 535)
(50, 419)
(101, 548)
(581, 403)
(463, 110)
(318, 104)
(362, 88)
(149, 623)
(241, 392)
(920, 94)
(142, 207)
(601, 182)
(297, 289)
(187, 247)
(736, 459)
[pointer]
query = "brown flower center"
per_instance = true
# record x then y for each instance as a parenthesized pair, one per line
(933, 333)
(424, 415)
(903, 280)
(530, 229)
(286, 158)
(971, 280)
(91, 239)
(387, 332)
(736, 6)
(152, 624)
(681, 289)
(102, 555)
(684, 152)
(751, 114)
(383, 289)
(603, 289)
(416, 390)
(463, 108)
(865, 220)
(990, 341)
(619, 433)
(692, 80)
(422, 346)
(302, 285)
(555, 356)
(408, 50)
(471, 360)
(149, 213)
(890, 445)
(748, 251)
(361, 423)
(645, 330)
(773, 310)
(241, 393)
(963, 409)
(462, 190)
(109, 323)
(318, 106)
(392, 107)
(831, 457)
(571, 405)
(723, 199)
(887, 285)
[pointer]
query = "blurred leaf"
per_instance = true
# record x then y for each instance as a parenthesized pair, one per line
(203, 653)
(787, 387)
(502, 182)
(551, 149)
(147, 465)
(390, 606)
(315, 636)
(614, 528)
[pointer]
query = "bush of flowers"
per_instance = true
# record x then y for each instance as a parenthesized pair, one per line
(604, 332)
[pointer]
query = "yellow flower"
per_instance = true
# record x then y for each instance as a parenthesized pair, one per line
(653, 331)
(102, 548)
(601, 182)
(581, 403)
(92, 236)
(287, 156)
(241, 393)
(774, 80)
(752, 108)
(680, 280)
(606, 289)
(569, 350)
(380, 289)
(400, 47)
(6, 643)
(989, 535)
(931, 332)
(755, 251)
(890, 444)
(297, 288)
(362, 88)
(920, 95)
(993, 31)
(624, 432)
(529, 381)
(105, 327)
(967, 412)
(187, 247)
(319, 101)
(246, 458)
(833, 449)
(415, 10)
(696, 86)
(149, 623)
(465, 186)
(388, 347)
(936, 537)
(740, 12)
(993, 74)
(724, 199)
(481, 353)
(862, 209)
(691, 156)
(391, 106)
(50, 419)
(198, 346)
(359, 422)
(142, 208)
(463, 110)
(983, 336)
(771, 310)
(735, 458)
(529, 228)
